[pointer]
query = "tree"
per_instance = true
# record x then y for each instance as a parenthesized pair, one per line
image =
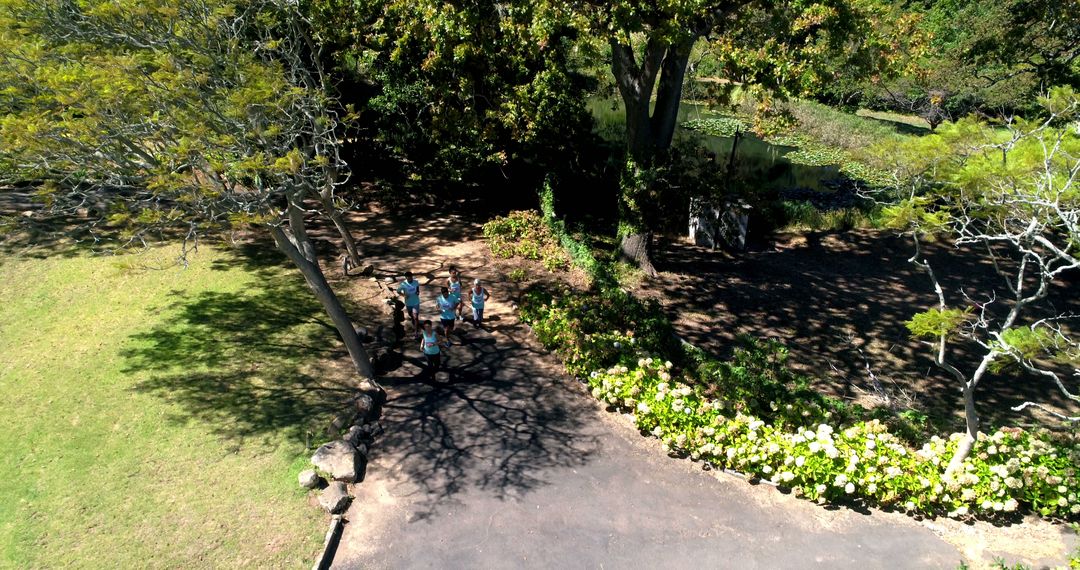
(178, 118)
(791, 48)
(457, 89)
(1015, 198)
(991, 57)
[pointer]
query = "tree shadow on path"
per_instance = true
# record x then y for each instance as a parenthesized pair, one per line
(502, 417)
(492, 420)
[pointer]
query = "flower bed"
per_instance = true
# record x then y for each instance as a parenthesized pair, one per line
(762, 420)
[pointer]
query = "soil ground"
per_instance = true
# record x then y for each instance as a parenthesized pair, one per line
(838, 301)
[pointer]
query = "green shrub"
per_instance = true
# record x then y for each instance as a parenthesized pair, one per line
(596, 329)
(524, 234)
(803, 215)
(580, 254)
(751, 413)
(832, 461)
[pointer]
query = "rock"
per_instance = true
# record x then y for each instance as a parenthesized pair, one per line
(354, 436)
(372, 430)
(309, 479)
(338, 423)
(365, 407)
(339, 459)
(367, 270)
(372, 388)
(335, 498)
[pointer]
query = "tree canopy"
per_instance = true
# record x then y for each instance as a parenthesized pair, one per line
(1015, 197)
(157, 117)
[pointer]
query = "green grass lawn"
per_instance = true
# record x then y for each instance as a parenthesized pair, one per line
(157, 417)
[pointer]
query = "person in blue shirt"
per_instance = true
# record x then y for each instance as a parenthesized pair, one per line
(454, 285)
(448, 306)
(478, 295)
(430, 345)
(410, 290)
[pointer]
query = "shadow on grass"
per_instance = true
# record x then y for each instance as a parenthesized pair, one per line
(245, 363)
(900, 126)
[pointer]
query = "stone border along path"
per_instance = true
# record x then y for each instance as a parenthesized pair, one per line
(504, 461)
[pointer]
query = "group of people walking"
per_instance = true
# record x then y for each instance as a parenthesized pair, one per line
(449, 304)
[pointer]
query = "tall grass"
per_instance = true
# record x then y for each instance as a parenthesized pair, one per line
(838, 129)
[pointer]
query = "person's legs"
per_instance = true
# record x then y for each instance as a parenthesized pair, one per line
(478, 316)
(414, 317)
(448, 325)
(432, 364)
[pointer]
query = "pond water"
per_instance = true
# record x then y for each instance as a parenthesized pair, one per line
(754, 158)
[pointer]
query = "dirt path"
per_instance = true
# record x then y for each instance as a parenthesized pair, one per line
(839, 302)
(506, 462)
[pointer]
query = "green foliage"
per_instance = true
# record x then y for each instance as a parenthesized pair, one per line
(913, 214)
(757, 381)
(1029, 343)
(822, 136)
(597, 329)
(518, 275)
(751, 413)
(171, 114)
(580, 253)
(991, 56)
(802, 48)
(858, 460)
(719, 127)
(802, 215)
(524, 234)
(936, 323)
(816, 156)
(459, 87)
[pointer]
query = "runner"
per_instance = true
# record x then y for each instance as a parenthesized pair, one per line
(448, 306)
(454, 285)
(479, 295)
(430, 346)
(410, 290)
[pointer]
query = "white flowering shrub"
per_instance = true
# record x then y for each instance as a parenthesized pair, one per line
(763, 420)
(862, 461)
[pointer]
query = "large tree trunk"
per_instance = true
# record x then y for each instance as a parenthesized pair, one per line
(634, 234)
(646, 133)
(669, 93)
(299, 250)
(635, 84)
